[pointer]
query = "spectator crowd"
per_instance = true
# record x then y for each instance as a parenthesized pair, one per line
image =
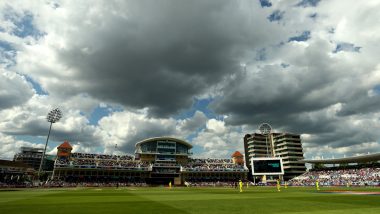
(212, 165)
(83, 160)
(339, 177)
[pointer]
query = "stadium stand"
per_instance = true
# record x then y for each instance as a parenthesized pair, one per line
(164, 159)
(211, 165)
(157, 161)
(339, 177)
(15, 174)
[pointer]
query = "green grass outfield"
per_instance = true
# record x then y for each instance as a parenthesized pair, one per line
(186, 200)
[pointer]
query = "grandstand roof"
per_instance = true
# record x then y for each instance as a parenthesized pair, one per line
(236, 154)
(65, 145)
(165, 138)
(355, 159)
(7, 163)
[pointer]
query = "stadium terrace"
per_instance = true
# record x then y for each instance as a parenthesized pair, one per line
(164, 160)
(159, 160)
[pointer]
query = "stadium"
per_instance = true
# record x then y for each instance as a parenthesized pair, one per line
(361, 170)
(159, 160)
(163, 160)
(152, 106)
(162, 177)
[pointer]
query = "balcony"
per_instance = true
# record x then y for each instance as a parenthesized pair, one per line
(147, 152)
(257, 146)
(290, 153)
(258, 150)
(288, 148)
(287, 143)
(166, 147)
(287, 139)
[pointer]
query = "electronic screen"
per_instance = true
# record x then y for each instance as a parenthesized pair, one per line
(267, 166)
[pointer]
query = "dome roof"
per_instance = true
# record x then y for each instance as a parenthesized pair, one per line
(65, 145)
(236, 154)
(165, 138)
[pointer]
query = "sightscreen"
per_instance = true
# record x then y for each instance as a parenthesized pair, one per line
(267, 166)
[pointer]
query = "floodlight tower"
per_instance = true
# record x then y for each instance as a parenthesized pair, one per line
(53, 116)
(265, 129)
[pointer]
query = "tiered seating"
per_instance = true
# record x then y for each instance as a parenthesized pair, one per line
(339, 177)
(102, 156)
(212, 165)
(83, 160)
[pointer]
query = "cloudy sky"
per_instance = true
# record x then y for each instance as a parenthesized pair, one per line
(204, 71)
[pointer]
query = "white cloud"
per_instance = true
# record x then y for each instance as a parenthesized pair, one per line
(328, 152)
(155, 59)
(14, 89)
(216, 126)
(30, 119)
(127, 128)
(218, 140)
(10, 146)
(191, 125)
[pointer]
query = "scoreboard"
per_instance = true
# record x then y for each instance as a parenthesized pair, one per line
(267, 166)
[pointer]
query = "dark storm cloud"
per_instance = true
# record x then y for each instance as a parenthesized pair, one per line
(345, 137)
(344, 46)
(363, 105)
(274, 91)
(276, 16)
(303, 37)
(314, 81)
(161, 55)
(14, 90)
(265, 3)
(314, 94)
(308, 3)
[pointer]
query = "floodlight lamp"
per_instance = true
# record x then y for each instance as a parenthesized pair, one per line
(265, 129)
(54, 115)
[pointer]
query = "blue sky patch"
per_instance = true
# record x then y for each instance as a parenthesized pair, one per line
(313, 16)
(276, 16)
(198, 105)
(303, 37)
(265, 3)
(284, 65)
(37, 87)
(197, 150)
(7, 54)
(348, 47)
(40, 139)
(308, 3)
(99, 113)
(195, 134)
(5, 46)
(55, 5)
(377, 89)
(33, 139)
(24, 24)
(261, 55)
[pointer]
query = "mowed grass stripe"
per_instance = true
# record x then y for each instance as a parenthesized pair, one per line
(262, 206)
(85, 201)
(8, 196)
(273, 202)
(185, 200)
